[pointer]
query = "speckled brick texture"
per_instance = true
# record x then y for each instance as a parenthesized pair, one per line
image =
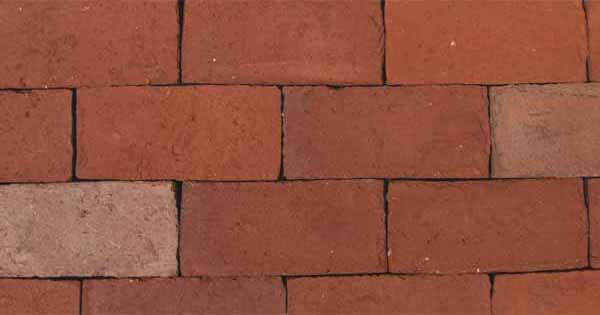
(299, 157)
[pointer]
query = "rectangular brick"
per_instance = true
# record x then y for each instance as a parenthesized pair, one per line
(184, 296)
(489, 42)
(593, 17)
(282, 228)
(386, 132)
(87, 43)
(547, 293)
(35, 136)
(88, 229)
(545, 131)
(204, 133)
(487, 226)
(22, 297)
(594, 208)
(466, 295)
(275, 42)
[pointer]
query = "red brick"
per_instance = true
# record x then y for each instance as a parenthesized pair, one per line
(270, 41)
(546, 131)
(208, 132)
(594, 208)
(39, 297)
(547, 293)
(184, 296)
(282, 228)
(593, 14)
(487, 226)
(386, 132)
(466, 295)
(35, 136)
(87, 43)
(488, 42)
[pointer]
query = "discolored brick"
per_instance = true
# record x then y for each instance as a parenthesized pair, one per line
(282, 228)
(203, 132)
(35, 136)
(593, 18)
(88, 229)
(386, 132)
(487, 226)
(283, 42)
(39, 297)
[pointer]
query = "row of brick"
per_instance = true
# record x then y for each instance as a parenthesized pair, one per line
(131, 229)
(101, 43)
(554, 293)
(235, 132)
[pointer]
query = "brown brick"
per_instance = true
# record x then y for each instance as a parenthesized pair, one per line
(90, 43)
(493, 42)
(594, 208)
(282, 228)
(386, 132)
(88, 229)
(270, 41)
(35, 136)
(209, 132)
(483, 226)
(466, 295)
(184, 296)
(547, 293)
(546, 131)
(593, 15)
(21, 297)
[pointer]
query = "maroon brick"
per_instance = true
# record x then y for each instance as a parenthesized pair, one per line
(487, 226)
(22, 297)
(594, 208)
(282, 228)
(386, 132)
(270, 41)
(184, 296)
(35, 136)
(490, 42)
(208, 132)
(593, 17)
(466, 295)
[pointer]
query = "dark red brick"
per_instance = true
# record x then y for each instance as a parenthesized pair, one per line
(593, 15)
(493, 42)
(386, 132)
(466, 295)
(35, 136)
(21, 297)
(208, 132)
(87, 43)
(270, 41)
(282, 228)
(487, 226)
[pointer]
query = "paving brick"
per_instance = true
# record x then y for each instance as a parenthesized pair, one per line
(282, 228)
(487, 226)
(545, 131)
(487, 42)
(386, 132)
(35, 136)
(87, 43)
(593, 15)
(208, 132)
(547, 293)
(466, 295)
(275, 42)
(184, 296)
(88, 229)
(594, 208)
(21, 297)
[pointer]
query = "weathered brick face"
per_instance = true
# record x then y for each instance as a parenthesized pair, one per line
(593, 13)
(39, 297)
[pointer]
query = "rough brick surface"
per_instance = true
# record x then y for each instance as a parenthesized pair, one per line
(334, 42)
(87, 43)
(593, 14)
(482, 226)
(88, 229)
(282, 228)
(212, 132)
(467, 295)
(594, 205)
(35, 136)
(552, 293)
(546, 131)
(184, 296)
(22, 297)
(461, 41)
(386, 132)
